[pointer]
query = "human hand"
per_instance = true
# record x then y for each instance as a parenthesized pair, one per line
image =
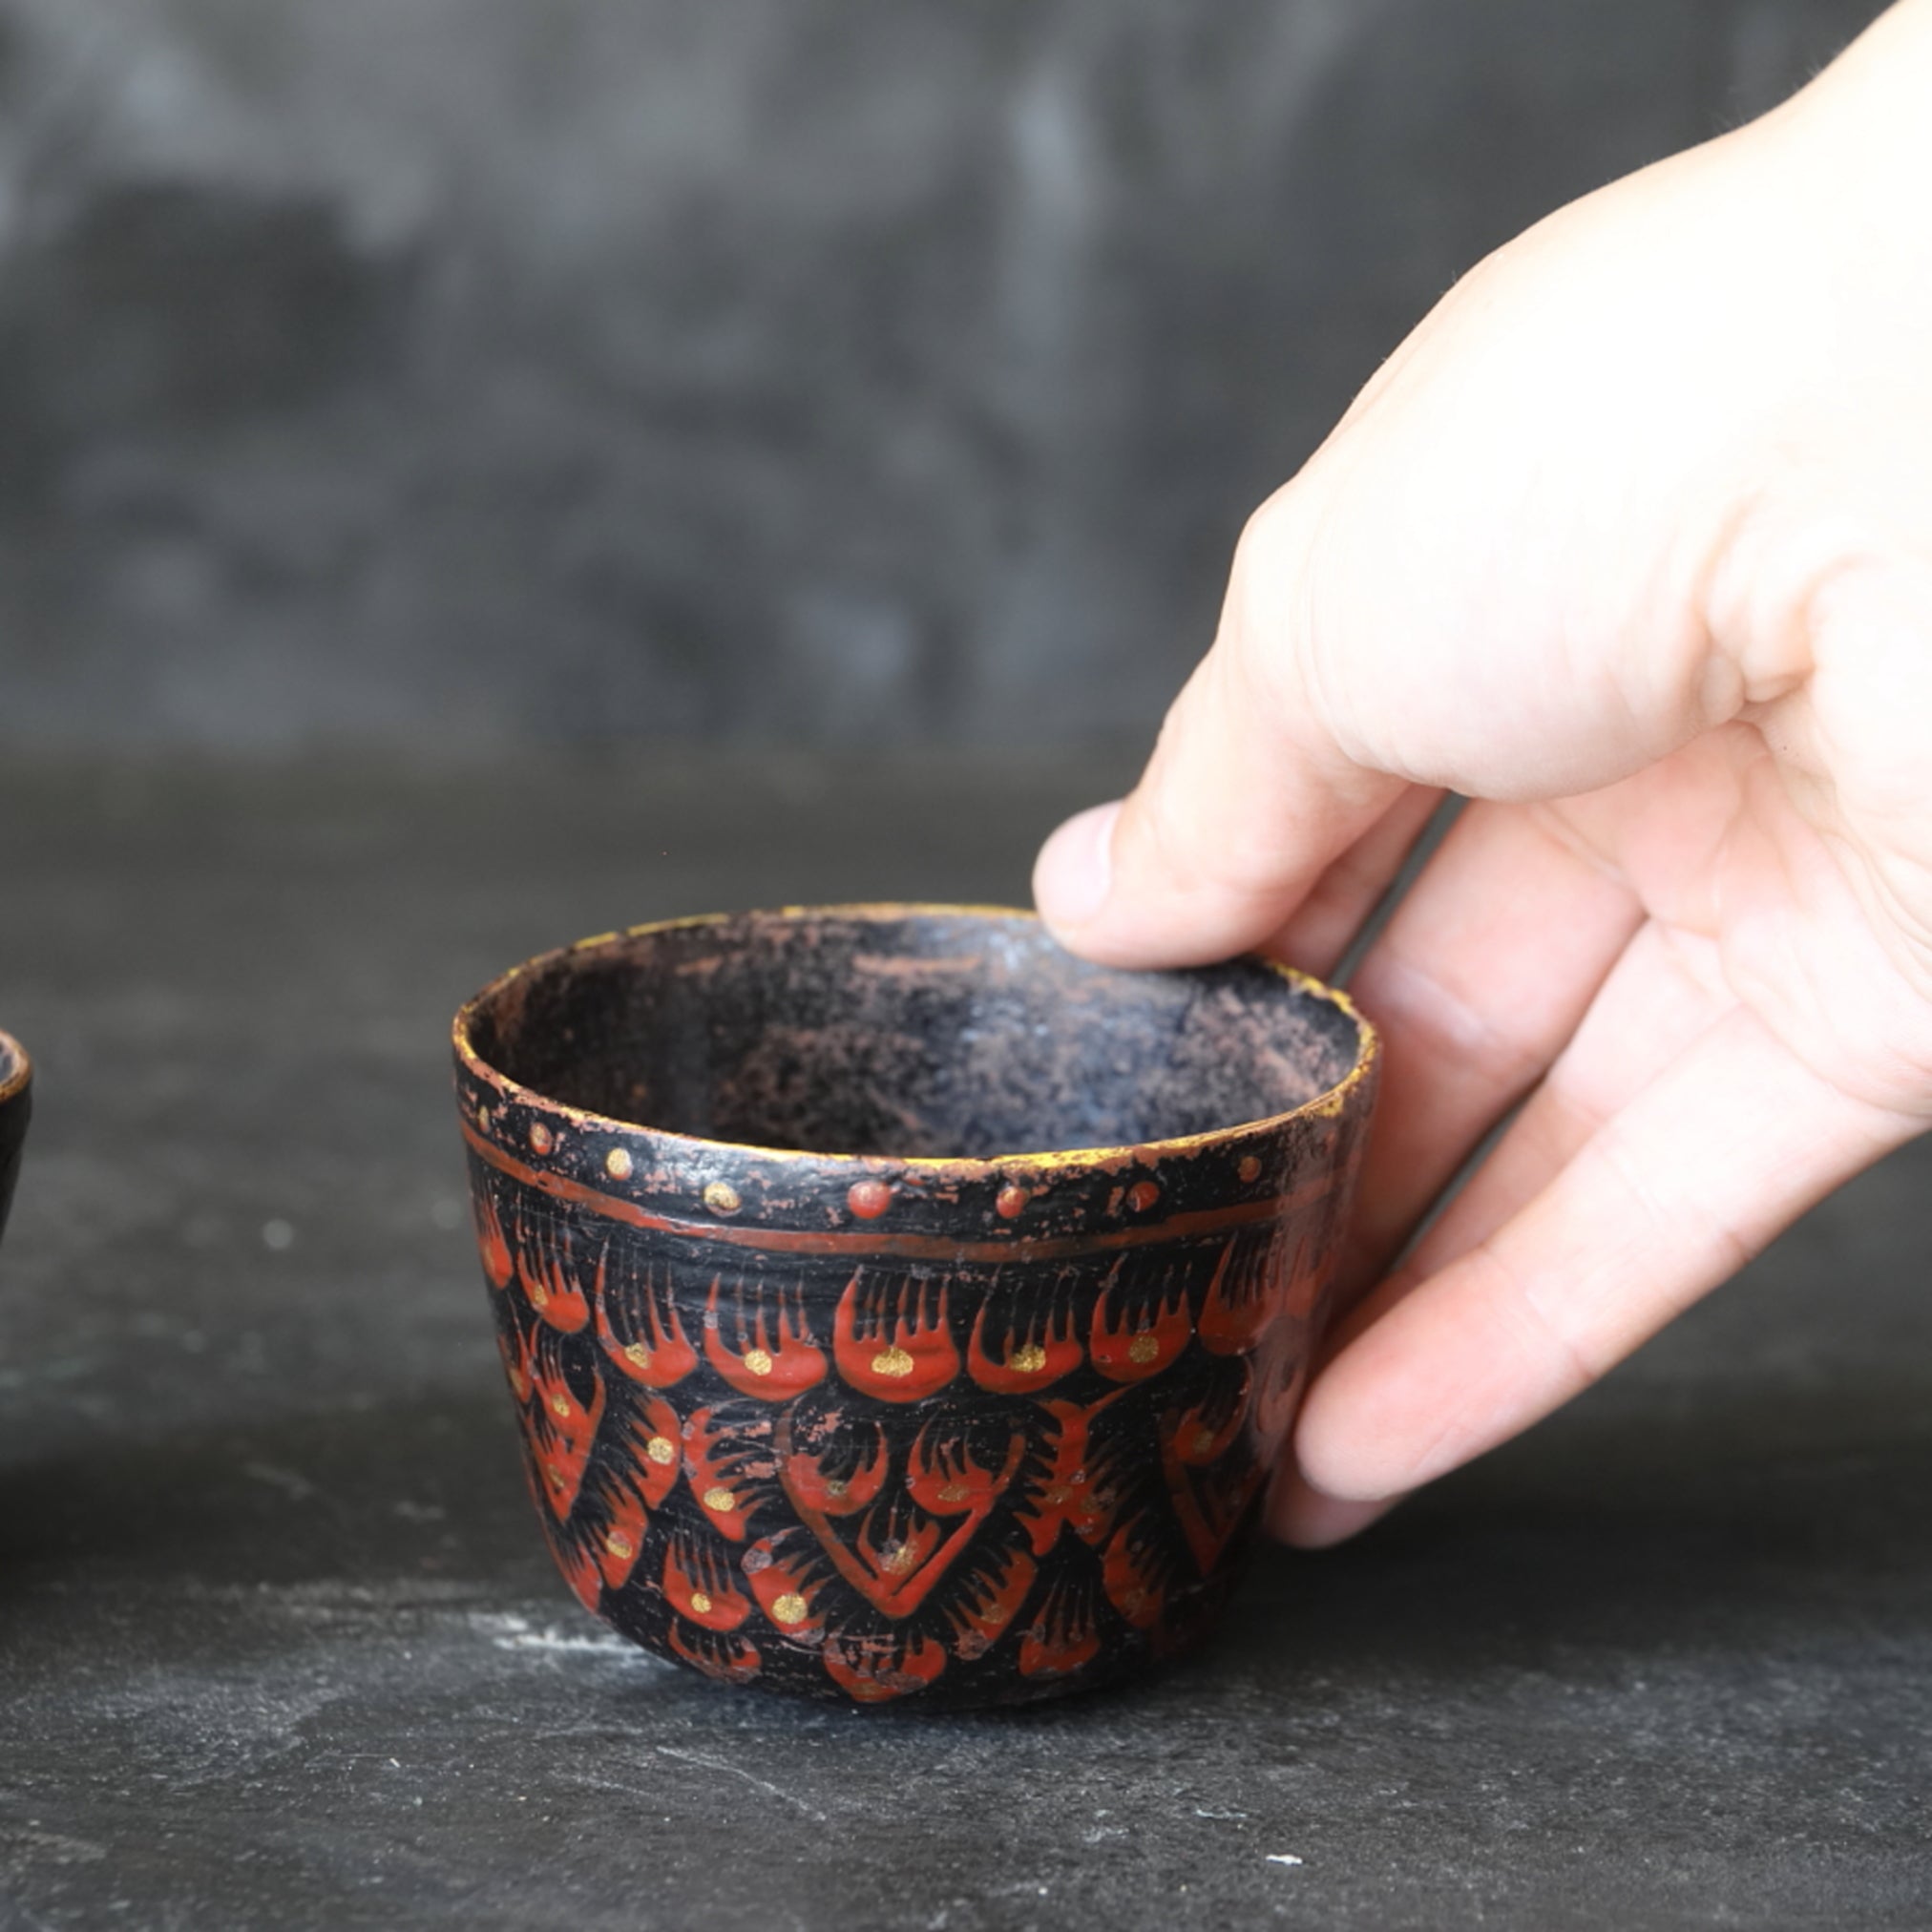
(1631, 543)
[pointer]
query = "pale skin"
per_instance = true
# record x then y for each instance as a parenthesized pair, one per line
(1630, 543)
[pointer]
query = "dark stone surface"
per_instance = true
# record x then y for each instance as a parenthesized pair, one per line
(280, 1643)
(754, 368)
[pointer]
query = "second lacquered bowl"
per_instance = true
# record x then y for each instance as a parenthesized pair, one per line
(896, 1306)
(16, 1107)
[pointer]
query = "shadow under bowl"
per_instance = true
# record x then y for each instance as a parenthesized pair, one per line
(16, 1107)
(896, 1305)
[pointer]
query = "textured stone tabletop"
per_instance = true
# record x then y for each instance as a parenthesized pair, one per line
(280, 1643)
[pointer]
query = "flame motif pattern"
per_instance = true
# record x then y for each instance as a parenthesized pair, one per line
(900, 1479)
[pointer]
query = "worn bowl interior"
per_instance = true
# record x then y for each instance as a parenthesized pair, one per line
(908, 1033)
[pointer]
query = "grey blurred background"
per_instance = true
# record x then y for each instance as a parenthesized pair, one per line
(453, 373)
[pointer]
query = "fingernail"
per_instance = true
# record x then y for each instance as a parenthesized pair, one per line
(1306, 1518)
(1075, 869)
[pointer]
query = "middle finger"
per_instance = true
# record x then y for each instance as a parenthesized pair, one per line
(1482, 975)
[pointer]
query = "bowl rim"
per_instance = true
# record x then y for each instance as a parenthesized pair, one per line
(1328, 1104)
(13, 1080)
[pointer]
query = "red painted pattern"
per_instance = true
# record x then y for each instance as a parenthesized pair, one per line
(1063, 1638)
(882, 1549)
(785, 1590)
(548, 1286)
(623, 1540)
(872, 1671)
(714, 1469)
(773, 1363)
(491, 1245)
(1242, 1299)
(657, 1451)
(697, 1584)
(987, 1605)
(731, 1658)
(1128, 1577)
(1211, 1494)
(650, 1347)
(1044, 1352)
(896, 1347)
(1137, 1349)
(1069, 1496)
(559, 1430)
(894, 1550)
(809, 1487)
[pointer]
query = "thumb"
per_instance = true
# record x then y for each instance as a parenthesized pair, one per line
(1243, 804)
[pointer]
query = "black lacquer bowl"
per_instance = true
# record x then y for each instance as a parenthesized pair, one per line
(16, 1104)
(830, 1379)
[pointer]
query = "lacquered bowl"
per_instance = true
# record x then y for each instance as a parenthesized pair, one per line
(895, 1305)
(16, 1105)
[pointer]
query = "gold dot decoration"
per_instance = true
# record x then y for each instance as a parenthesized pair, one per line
(791, 1608)
(1250, 1168)
(720, 1500)
(560, 1404)
(541, 1139)
(637, 1352)
(1204, 1441)
(700, 1603)
(894, 1361)
(662, 1451)
(837, 1487)
(1143, 1349)
(758, 1362)
(721, 1197)
(954, 1492)
(903, 1560)
(620, 1546)
(1028, 1359)
(618, 1165)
